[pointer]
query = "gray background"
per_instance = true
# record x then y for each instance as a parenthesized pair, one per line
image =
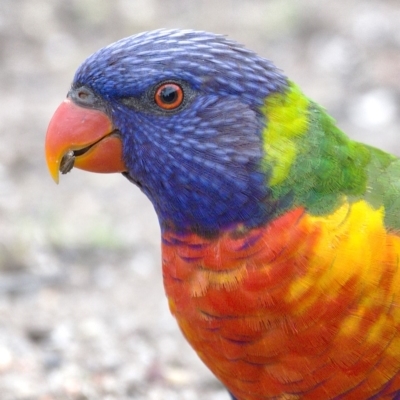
(82, 308)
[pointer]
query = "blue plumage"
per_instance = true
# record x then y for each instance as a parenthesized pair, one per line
(211, 63)
(175, 157)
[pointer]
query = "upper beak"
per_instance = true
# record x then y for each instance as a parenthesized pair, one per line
(84, 138)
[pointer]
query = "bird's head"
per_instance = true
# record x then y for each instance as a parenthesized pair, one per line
(179, 113)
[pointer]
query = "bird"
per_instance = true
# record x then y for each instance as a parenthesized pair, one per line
(280, 235)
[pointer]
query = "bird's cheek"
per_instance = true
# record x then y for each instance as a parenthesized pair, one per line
(84, 138)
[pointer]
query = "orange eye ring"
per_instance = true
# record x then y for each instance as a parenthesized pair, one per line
(169, 96)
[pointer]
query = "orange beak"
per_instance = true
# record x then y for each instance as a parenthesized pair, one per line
(84, 138)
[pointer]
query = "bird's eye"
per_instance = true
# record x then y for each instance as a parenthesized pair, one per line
(169, 96)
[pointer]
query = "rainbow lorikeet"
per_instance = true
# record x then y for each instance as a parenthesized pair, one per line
(280, 235)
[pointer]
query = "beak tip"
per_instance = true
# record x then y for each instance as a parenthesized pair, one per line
(55, 175)
(53, 169)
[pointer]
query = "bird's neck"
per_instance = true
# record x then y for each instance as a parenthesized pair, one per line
(312, 163)
(212, 179)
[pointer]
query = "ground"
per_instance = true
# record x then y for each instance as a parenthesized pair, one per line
(82, 308)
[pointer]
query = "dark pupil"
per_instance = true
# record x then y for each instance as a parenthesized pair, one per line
(168, 94)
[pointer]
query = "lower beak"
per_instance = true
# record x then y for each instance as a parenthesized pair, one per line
(84, 138)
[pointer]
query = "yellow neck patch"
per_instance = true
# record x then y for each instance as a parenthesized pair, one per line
(287, 119)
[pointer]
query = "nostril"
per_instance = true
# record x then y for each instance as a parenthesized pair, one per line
(83, 95)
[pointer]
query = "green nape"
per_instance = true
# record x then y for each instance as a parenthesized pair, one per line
(384, 186)
(314, 164)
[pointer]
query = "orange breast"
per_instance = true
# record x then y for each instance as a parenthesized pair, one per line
(303, 308)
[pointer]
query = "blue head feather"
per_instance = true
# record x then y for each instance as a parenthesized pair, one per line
(200, 165)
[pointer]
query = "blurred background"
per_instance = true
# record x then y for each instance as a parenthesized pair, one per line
(82, 307)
